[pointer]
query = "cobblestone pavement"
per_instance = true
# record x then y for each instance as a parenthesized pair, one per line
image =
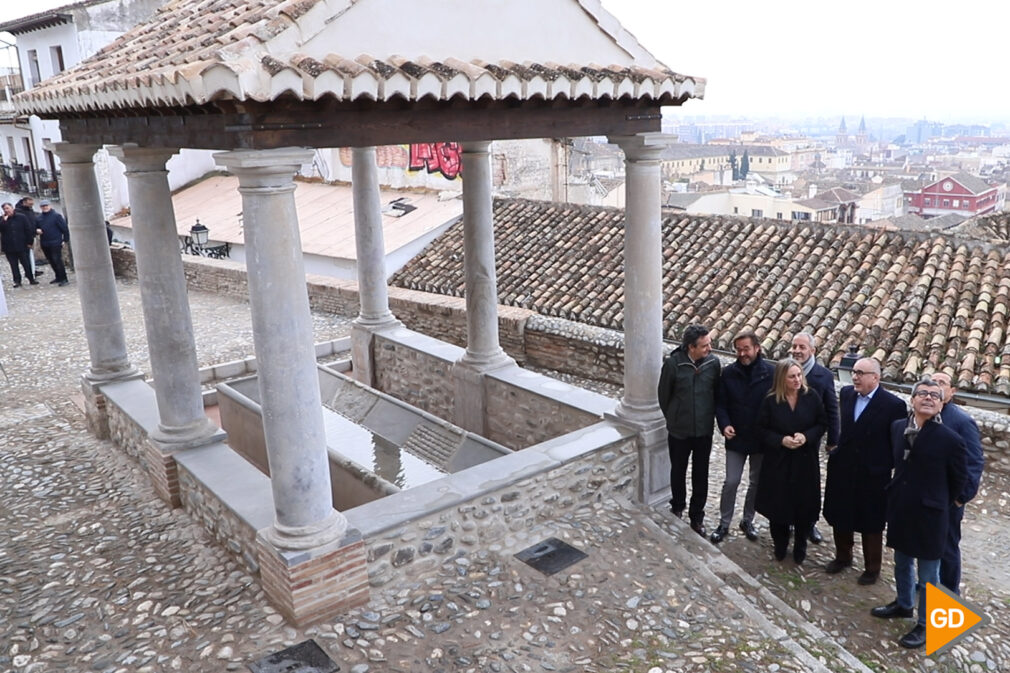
(97, 574)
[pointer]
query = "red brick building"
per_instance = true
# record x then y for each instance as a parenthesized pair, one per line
(961, 194)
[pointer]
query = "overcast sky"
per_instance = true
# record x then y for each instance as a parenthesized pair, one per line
(796, 58)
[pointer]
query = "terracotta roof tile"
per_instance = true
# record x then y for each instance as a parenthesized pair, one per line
(917, 303)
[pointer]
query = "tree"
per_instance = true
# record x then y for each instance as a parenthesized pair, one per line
(744, 165)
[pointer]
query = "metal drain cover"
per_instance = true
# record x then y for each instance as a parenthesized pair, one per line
(305, 657)
(551, 555)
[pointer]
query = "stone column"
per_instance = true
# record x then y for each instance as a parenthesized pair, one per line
(96, 281)
(170, 342)
(285, 355)
(483, 350)
(373, 298)
(643, 308)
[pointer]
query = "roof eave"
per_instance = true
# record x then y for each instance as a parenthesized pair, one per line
(35, 22)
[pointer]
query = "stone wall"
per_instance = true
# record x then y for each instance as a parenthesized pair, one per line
(415, 375)
(127, 434)
(518, 418)
(584, 350)
(504, 520)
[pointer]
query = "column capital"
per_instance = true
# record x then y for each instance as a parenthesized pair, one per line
(643, 146)
(281, 160)
(72, 153)
(476, 146)
(139, 159)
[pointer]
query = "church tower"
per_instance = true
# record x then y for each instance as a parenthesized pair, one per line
(842, 137)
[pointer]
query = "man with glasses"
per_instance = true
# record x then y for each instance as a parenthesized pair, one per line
(966, 428)
(929, 474)
(859, 469)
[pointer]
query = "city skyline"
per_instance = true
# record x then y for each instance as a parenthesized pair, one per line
(869, 59)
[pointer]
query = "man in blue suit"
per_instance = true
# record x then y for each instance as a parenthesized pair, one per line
(859, 469)
(822, 381)
(929, 474)
(964, 425)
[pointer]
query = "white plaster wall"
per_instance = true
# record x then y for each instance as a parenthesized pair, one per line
(183, 168)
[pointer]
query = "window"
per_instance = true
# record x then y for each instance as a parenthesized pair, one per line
(34, 75)
(755, 212)
(56, 56)
(946, 203)
(778, 216)
(929, 201)
(736, 211)
(957, 204)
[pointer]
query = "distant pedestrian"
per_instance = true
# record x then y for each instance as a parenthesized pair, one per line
(929, 475)
(687, 390)
(822, 381)
(743, 386)
(53, 233)
(791, 422)
(964, 425)
(859, 469)
(26, 206)
(16, 235)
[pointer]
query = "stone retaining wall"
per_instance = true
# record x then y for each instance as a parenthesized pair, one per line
(414, 375)
(504, 520)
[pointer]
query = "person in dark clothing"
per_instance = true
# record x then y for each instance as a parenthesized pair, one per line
(26, 207)
(742, 387)
(687, 390)
(53, 233)
(16, 236)
(791, 422)
(859, 469)
(929, 474)
(822, 381)
(964, 425)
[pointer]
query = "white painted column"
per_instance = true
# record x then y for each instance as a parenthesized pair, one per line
(643, 309)
(483, 349)
(285, 354)
(373, 296)
(96, 280)
(163, 296)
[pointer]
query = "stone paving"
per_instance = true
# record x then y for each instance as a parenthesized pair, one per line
(97, 574)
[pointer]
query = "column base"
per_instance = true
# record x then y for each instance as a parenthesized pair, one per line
(94, 401)
(470, 396)
(317, 583)
(298, 538)
(363, 333)
(158, 460)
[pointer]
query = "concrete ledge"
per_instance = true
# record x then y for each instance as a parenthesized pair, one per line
(136, 399)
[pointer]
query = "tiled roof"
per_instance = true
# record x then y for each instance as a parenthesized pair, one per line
(838, 195)
(47, 18)
(194, 52)
(973, 184)
(916, 302)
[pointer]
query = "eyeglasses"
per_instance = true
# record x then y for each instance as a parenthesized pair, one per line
(860, 372)
(923, 394)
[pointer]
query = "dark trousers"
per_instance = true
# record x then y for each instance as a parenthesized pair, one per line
(873, 548)
(54, 255)
(13, 258)
(780, 537)
(950, 562)
(698, 450)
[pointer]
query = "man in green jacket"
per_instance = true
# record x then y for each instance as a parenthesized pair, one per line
(687, 389)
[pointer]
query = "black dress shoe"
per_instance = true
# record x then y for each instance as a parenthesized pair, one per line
(815, 535)
(64, 283)
(750, 530)
(799, 555)
(17, 284)
(699, 528)
(868, 578)
(891, 610)
(33, 282)
(915, 638)
(719, 534)
(836, 566)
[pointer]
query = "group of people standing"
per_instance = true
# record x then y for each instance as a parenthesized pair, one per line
(910, 473)
(19, 226)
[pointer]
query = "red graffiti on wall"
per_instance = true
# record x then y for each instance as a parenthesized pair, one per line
(444, 158)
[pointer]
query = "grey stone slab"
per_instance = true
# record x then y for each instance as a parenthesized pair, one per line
(239, 485)
(137, 400)
(583, 441)
(391, 421)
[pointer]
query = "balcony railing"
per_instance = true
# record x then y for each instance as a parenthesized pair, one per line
(26, 180)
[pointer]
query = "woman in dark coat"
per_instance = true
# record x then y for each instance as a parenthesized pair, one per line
(790, 424)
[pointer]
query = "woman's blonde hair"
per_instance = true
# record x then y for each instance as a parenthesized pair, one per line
(779, 382)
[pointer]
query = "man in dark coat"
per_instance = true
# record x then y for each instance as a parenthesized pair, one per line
(687, 389)
(859, 469)
(26, 206)
(742, 387)
(822, 381)
(964, 425)
(53, 233)
(929, 474)
(16, 236)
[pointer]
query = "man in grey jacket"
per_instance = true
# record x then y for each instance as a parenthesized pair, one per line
(687, 391)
